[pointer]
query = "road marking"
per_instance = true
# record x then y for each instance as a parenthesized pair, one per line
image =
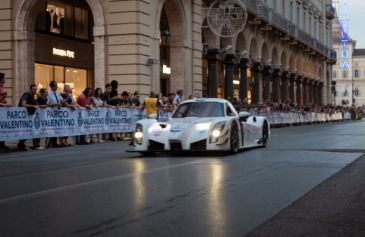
(93, 182)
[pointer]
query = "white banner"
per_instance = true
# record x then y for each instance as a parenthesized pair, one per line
(16, 123)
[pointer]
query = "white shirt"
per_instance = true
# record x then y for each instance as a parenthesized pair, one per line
(97, 101)
(54, 97)
(178, 99)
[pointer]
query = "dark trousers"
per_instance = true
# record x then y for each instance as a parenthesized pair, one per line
(21, 143)
(36, 142)
(81, 139)
(52, 142)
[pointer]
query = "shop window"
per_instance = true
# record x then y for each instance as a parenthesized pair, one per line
(59, 73)
(55, 18)
(76, 78)
(69, 21)
(81, 23)
(43, 75)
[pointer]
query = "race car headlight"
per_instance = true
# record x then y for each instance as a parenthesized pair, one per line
(217, 132)
(138, 134)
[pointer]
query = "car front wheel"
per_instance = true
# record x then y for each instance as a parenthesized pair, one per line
(234, 139)
(265, 134)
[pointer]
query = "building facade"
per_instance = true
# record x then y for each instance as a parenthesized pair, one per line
(349, 70)
(358, 58)
(342, 70)
(350, 82)
(283, 54)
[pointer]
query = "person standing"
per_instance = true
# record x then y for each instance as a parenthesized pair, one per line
(151, 104)
(69, 102)
(3, 103)
(135, 100)
(114, 101)
(42, 103)
(85, 100)
(179, 97)
(106, 95)
(170, 107)
(28, 101)
(114, 96)
(62, 25)
(98, 102)
(55, 22)
(55, 101)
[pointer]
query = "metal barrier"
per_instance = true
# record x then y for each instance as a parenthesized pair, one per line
(299, 118)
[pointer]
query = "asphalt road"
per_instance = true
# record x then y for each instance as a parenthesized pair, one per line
(306, 183)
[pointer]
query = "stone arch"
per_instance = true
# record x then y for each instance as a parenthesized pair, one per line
(292, 63)
(254, 52)
(306, 67)
(265, 53)
(209, 36)
(274, 57)
(24, 37)
(241, 44)
(283, 59)
(320, 72)
(227, 44)
(299, 64)
(177, 21)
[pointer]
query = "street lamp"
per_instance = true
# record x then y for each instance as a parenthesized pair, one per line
(165, 36)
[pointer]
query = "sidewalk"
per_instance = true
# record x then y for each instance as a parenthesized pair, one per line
(335, 208)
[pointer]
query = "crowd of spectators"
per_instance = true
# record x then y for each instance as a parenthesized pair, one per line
(110, 97)
(269, 106)
(88, 99)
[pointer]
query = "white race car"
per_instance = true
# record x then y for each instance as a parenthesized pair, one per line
(202, 125)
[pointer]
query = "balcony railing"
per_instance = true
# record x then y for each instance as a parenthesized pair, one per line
(277, 20)
(330, 11)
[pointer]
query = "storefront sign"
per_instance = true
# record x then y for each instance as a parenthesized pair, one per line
(63, 53)
(344, 29)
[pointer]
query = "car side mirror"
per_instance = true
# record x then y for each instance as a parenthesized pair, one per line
(243, 116)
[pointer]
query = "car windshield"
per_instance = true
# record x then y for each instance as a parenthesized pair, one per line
(199, 109)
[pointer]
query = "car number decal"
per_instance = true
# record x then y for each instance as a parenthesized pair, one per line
(157, 133)
(178, 127)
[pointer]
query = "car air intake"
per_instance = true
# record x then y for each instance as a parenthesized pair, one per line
(175, 145)
(162, 125)
(199, 145)
(156, 146)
